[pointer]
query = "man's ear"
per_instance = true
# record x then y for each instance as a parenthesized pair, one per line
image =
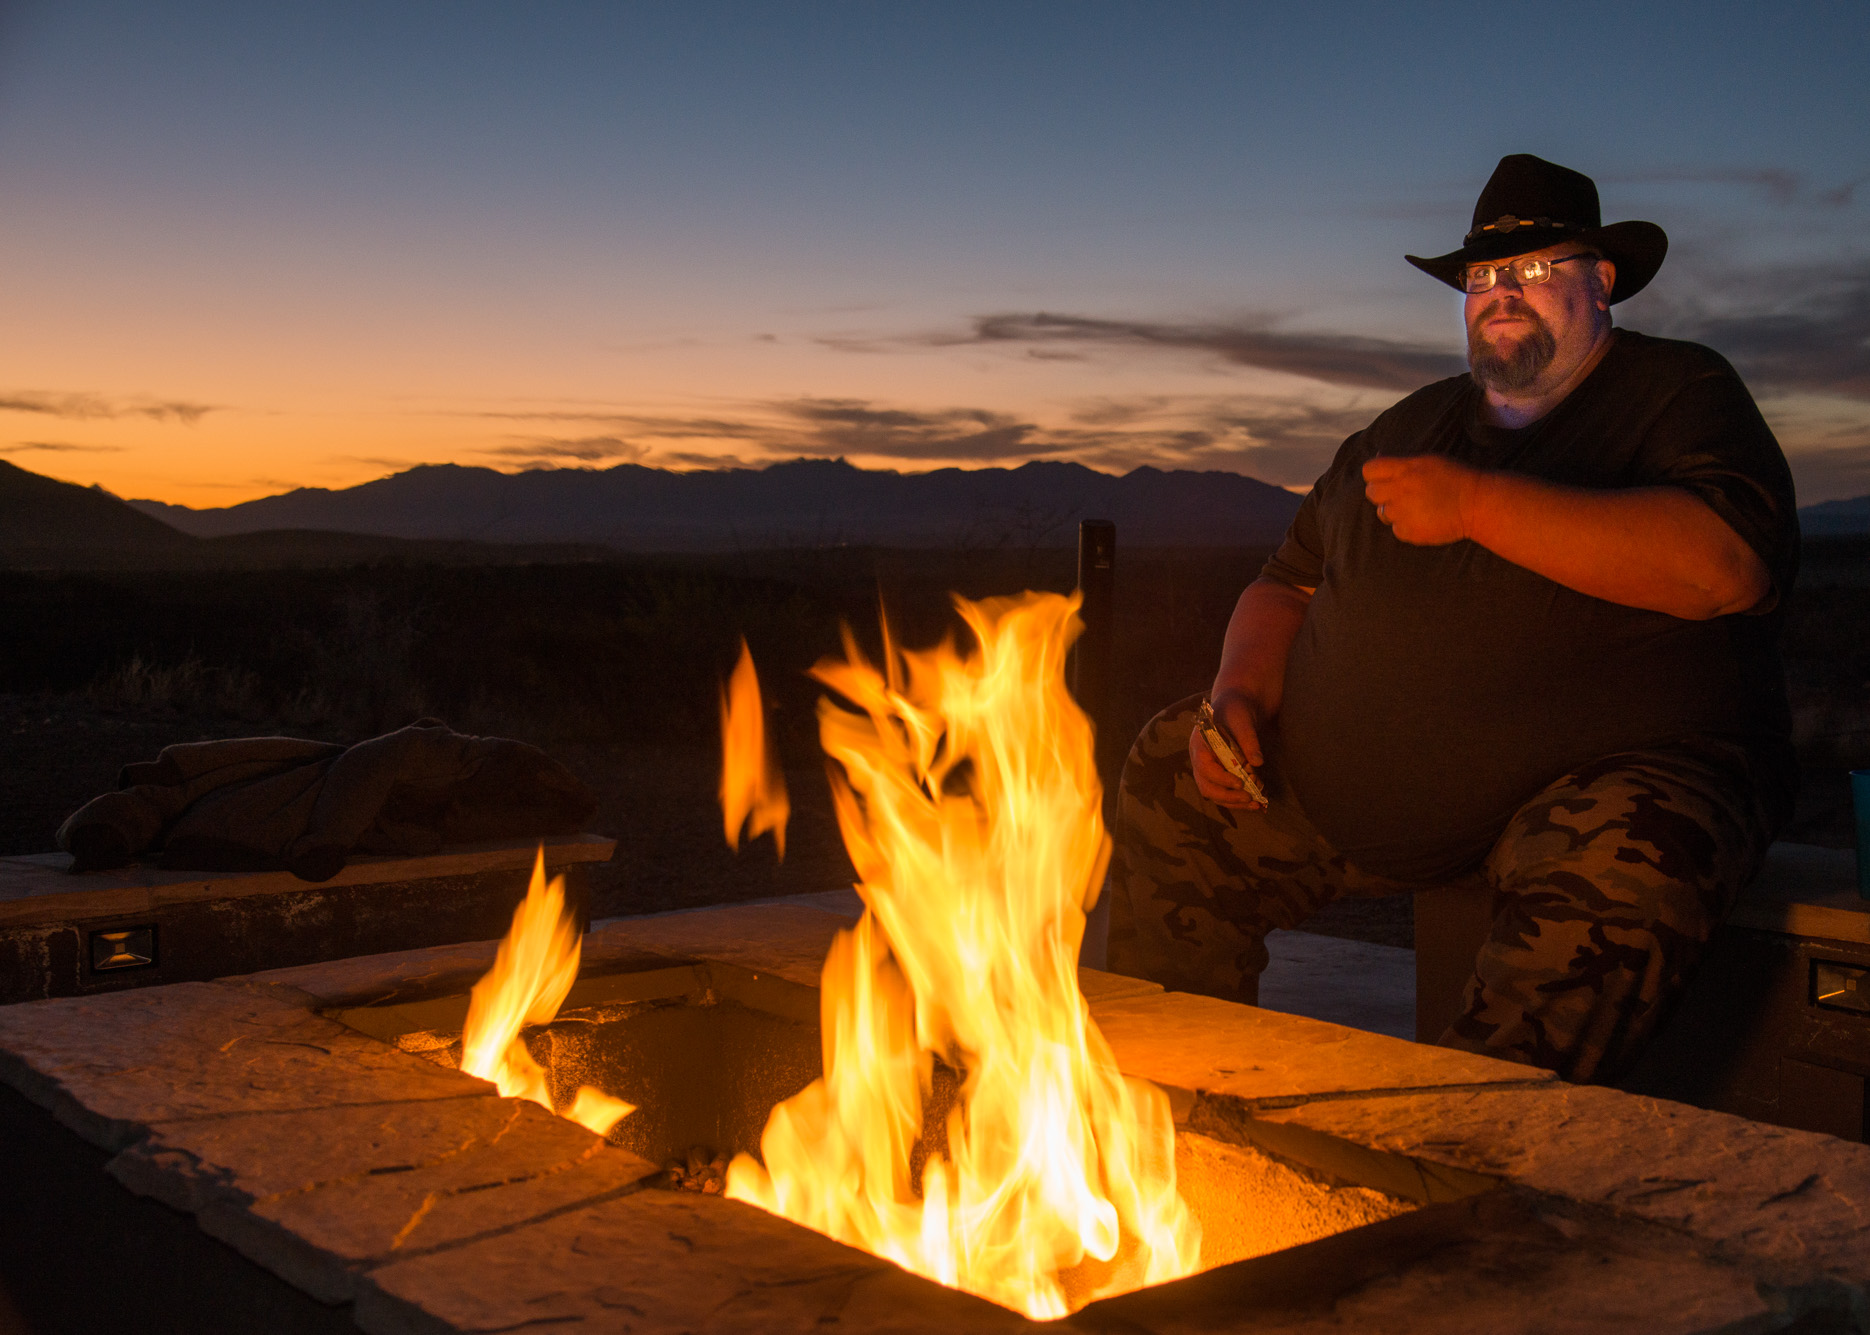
(1607, 282)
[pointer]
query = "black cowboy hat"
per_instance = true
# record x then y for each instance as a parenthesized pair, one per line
(1530, 204)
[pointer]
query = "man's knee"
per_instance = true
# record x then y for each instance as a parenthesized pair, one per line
(1610, 884)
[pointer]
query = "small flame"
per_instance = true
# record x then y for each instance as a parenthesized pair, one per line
(534, 969)
(970, 804)
(753, 790)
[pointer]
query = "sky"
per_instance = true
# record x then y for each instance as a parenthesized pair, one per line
(252, 247)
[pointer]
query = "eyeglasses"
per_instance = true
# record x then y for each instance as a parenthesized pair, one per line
(1530, 270)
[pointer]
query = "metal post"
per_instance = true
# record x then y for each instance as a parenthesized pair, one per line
(1090, 683)
(1090, 677)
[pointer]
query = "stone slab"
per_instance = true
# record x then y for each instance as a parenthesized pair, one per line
(110, 1066)
(664, 1261)
(1505, 1264)
(1795, 1201)
(776, 936)
(1263, 1058)
(317, 1196)
(1808, 891)
(654, 1261)
(40, 887)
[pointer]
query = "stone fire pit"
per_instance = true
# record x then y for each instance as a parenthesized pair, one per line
(395, 1195)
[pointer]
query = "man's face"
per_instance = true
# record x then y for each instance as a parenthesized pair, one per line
(1528, 340)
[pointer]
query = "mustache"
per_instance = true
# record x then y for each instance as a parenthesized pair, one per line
(1514, 306)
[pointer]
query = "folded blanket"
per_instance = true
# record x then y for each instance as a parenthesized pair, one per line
(268, 803)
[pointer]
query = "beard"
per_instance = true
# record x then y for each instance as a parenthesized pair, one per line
(1513, 363)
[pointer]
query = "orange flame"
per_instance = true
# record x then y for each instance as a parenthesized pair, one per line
(970, 804)
(534, 969)
(753, 790)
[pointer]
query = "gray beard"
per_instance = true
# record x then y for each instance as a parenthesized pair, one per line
(1519, 365)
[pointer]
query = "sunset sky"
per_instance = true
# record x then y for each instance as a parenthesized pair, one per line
(250, 247)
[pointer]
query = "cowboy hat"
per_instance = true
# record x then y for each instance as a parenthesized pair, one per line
(1530, 204)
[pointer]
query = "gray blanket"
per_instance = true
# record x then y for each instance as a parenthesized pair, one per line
(267, 803)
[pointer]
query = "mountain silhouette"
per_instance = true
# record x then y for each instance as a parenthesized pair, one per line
(806, 503)
(45, 521)
(1836, 518)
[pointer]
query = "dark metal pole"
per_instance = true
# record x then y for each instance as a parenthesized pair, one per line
(1091, 684)
(1090, 677)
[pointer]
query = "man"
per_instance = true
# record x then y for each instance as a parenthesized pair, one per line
(1526, 625)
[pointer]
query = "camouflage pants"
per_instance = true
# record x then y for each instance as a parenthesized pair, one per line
(1607, 886)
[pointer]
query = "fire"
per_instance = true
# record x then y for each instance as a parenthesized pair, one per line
(753, 790)
(534, 969)
(971, 808)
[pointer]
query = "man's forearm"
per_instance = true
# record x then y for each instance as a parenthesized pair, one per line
(1657, 548)
(1259, 636)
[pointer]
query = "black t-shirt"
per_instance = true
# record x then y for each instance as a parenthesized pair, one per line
(1432, 691)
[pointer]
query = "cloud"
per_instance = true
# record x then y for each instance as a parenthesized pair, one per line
(1779, 185)
(58, 447)
(623, 422)
(835, 427)
(90, 407)
(1284, 439)
(1287, 441)
(1788, 328)
(1337, 359)
(587, 449)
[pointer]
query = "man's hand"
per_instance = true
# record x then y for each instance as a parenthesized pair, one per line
(1426, 499)
(1239, 719)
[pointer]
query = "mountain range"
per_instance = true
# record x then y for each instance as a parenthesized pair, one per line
(458, 515)
(805, 503)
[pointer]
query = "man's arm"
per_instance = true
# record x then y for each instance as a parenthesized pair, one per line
(1658, 548)
(1248, 685)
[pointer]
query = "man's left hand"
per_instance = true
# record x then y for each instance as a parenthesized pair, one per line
(1425, 498)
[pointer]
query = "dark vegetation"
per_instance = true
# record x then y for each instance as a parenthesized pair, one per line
(613, 666)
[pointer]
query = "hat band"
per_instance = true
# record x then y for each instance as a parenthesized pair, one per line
(1506, 222)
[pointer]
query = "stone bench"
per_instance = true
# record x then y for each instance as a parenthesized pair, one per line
(67, 935)
(1776, 1024)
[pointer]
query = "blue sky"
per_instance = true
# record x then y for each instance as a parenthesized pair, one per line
(252, 247)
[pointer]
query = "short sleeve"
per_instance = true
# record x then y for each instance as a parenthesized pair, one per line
(1300, 560)
(1712, 441)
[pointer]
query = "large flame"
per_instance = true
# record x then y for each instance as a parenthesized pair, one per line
(753, 789)
(970, 805)
(534, 969)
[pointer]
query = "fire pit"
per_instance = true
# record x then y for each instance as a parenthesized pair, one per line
(705, 1051)
(414, 1200)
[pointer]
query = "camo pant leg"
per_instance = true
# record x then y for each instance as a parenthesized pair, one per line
(1195, 887)
(1608, 886)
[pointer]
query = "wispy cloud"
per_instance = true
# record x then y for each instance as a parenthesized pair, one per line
(58, 447)
(1790, 328)
(1779, 185)
(92, 407)
(1336, 359)
(833, 427)
(585, 449)
(1287, 440)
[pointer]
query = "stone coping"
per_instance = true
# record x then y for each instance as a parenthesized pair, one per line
(367, 1175)
(1805, 890)
(41, 888)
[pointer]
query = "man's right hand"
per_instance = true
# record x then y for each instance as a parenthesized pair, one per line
(1240, 719)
